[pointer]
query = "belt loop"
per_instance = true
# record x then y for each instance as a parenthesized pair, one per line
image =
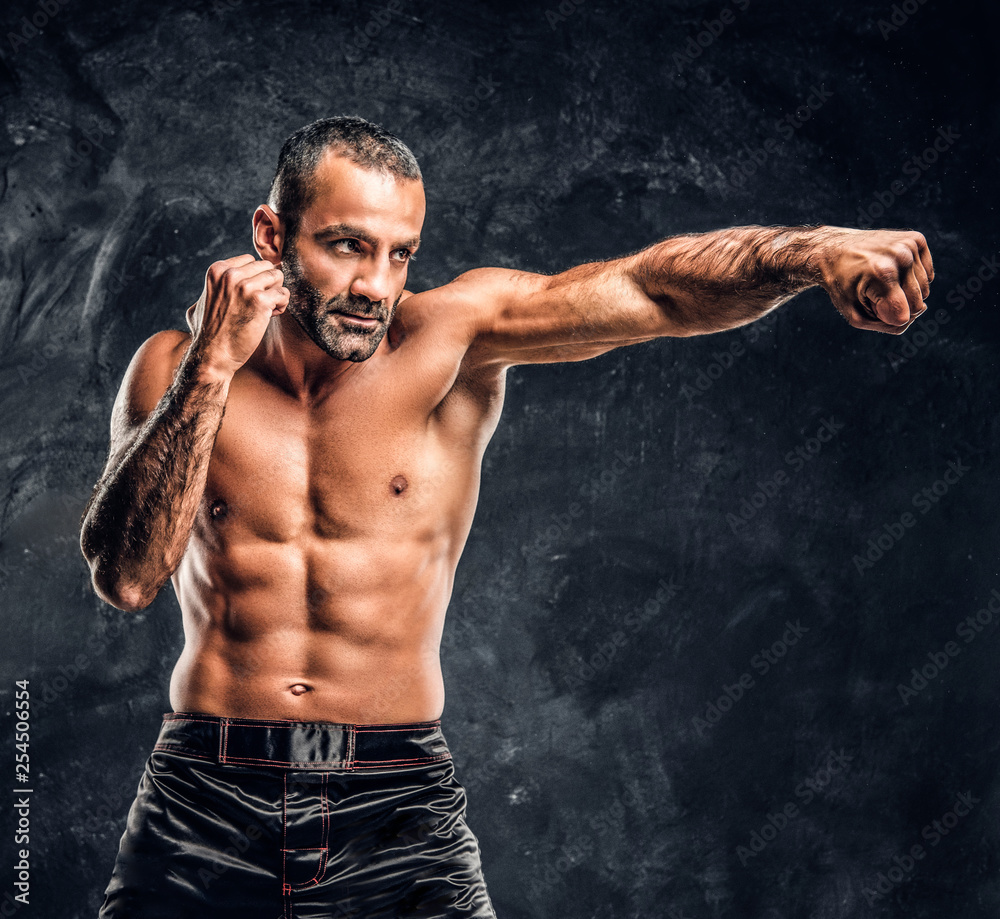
(351, 735)
(223, 739)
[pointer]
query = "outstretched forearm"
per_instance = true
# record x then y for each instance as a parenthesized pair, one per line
(693, 285)
(711, 282)
(137, 524)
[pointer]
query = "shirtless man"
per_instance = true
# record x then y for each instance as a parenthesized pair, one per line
(304, 466)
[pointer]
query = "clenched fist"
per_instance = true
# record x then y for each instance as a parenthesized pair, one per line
(241, 295)
(877, 279)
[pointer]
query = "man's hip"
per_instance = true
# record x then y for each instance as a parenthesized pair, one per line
(297, 820)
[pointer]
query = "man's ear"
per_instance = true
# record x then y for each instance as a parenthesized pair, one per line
(268, 234)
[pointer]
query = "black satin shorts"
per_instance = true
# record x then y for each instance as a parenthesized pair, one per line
(240, 819)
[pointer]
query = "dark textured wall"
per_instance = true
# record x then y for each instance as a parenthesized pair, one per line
(681, 648)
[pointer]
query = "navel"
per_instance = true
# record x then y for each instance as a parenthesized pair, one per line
(219, 509)
(298, 689)
(398, 484)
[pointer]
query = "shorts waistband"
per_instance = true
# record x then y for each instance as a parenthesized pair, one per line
(302, 744)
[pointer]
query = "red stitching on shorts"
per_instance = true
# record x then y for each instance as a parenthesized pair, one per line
(281, 722)
(349, 762)
(285, 888)
(376, 763)
(321, 868)
(298, 764)
(320, 871)
(277, 722)
(326, 813)
(311, 766)
(377, 729)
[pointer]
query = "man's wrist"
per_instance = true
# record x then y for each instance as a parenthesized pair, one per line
(201, 369)
(803, 252)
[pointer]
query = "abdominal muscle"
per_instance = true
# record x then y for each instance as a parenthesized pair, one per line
(344, 631)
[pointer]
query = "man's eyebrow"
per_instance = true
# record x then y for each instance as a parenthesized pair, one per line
(340, 230)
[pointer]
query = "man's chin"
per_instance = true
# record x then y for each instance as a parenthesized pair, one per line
(355, 348)
(356, 357)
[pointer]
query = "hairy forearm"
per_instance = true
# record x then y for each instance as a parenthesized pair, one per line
(137, 524)
(720, 280)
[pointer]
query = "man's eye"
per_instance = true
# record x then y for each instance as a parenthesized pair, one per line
(404, 255)
(345, 245)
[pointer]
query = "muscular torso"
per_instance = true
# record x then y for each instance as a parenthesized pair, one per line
(323, 554)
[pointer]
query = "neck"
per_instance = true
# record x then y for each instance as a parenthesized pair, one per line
(295, 362)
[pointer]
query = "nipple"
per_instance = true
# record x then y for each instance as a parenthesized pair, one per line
(219, 509)
(399, 484)
(298, 689)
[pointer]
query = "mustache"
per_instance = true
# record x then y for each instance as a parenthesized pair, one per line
(359, 306)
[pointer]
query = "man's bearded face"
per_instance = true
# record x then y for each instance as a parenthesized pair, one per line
(347, 327)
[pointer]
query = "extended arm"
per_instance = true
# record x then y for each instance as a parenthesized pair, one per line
(697, 284)
(163, 428)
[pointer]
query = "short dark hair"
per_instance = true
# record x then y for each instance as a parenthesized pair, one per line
(362, 142)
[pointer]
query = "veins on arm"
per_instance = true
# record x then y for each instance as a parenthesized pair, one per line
(682, 286)
(727, 278)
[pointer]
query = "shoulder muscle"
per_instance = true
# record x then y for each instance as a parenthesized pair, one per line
(148, 377)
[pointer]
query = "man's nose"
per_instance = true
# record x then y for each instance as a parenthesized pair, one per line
(373, 281)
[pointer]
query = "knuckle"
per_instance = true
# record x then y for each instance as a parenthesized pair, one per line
(904, 254)
(885, 271)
